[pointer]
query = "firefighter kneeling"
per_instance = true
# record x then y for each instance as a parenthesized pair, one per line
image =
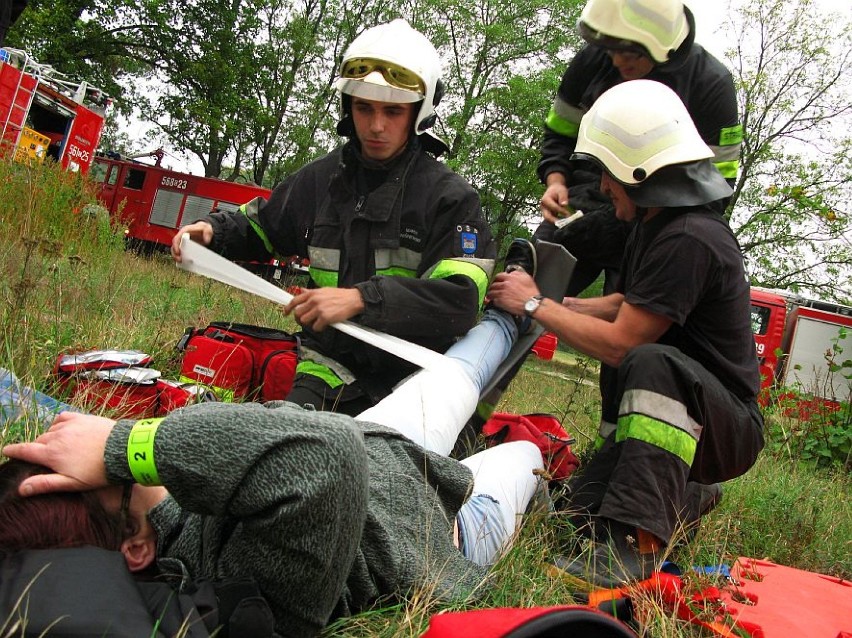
(679, 374)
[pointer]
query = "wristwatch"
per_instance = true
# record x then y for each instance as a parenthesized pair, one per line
(532, 305)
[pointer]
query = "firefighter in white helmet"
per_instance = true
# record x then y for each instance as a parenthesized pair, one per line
(396, 240)
(626, 40)
(683, 415)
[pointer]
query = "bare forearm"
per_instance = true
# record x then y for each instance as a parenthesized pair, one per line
(583, 330)
(605, 308)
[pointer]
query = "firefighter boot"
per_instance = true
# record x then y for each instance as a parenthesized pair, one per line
(624, 555)
(521, 256)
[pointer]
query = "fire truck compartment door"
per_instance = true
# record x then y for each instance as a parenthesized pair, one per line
(806, 364)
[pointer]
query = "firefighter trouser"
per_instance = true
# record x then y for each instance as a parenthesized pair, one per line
(676, 423)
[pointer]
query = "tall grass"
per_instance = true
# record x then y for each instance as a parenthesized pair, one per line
(66, 283)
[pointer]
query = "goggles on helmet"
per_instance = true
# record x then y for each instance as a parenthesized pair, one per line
(395, 75)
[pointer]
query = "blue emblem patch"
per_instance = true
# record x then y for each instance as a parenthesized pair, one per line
(468, 243)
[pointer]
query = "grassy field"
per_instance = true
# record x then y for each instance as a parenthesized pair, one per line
(66, 283)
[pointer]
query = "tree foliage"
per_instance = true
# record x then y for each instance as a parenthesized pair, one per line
(791, 206)
(100, 41)
(247, 87)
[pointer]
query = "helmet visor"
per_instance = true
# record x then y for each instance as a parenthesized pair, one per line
(598, 39)
(395, 75)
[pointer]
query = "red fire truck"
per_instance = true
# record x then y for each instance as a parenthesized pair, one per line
(153, 202)
(802, 345)
(43, 114)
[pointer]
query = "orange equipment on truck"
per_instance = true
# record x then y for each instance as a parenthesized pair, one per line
(43, 114)
(802, 344)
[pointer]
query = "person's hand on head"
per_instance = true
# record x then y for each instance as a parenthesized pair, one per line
(73, 448)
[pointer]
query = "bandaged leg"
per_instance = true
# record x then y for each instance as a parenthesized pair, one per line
(432, 406)
(504, 484)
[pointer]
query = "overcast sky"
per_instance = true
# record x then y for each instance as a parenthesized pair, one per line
(710, 15)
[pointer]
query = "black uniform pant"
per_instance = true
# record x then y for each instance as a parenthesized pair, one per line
(677, 424)
(312, 392)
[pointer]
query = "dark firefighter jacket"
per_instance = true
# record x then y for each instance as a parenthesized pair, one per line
(703, 83)
(410, 236)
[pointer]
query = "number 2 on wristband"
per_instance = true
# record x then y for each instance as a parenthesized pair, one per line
(140, 452)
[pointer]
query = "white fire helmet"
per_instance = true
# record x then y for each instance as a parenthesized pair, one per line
(655, 28)
(637, 127)
(641, 133)
(393, 63)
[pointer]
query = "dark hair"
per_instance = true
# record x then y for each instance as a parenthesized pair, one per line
(51, 521)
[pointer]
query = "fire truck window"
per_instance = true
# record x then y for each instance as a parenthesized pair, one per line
(135, 179)
(759, 320)
(113, 175)
(98, 171)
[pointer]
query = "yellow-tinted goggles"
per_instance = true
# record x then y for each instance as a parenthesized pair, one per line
(393, 74)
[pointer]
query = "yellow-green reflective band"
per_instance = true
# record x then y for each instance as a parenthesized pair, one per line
(140, 452)
(318, 370)
(642, 17)
(250, 210)
(405, 258)
(731, 135)
(397, 271)
(599, 441)
(455, 267)
(560, 125)
(226, 395)
(728, 169)
(323, 278)
(662, 435)
(632, 150)
(660, 407)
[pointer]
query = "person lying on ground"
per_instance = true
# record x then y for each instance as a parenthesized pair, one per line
(326, 513)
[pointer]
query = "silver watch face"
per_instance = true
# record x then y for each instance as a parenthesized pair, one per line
(531, 305)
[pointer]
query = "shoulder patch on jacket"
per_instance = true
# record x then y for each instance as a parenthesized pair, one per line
(467, 239)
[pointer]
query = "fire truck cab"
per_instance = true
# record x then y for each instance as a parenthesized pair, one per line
(43, 114)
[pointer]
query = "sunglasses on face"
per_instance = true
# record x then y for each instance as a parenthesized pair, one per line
(626, 54)
(393, 74)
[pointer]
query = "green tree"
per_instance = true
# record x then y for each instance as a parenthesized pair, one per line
(503, 63)
(206, 76)
(100, 42)
(791, 206)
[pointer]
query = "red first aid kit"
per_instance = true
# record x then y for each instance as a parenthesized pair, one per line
(119, 382)
(544, 430)
(240, 361)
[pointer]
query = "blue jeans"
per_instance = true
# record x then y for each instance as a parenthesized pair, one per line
(481, 351)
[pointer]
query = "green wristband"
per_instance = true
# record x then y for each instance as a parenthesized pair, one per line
(140, 452)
